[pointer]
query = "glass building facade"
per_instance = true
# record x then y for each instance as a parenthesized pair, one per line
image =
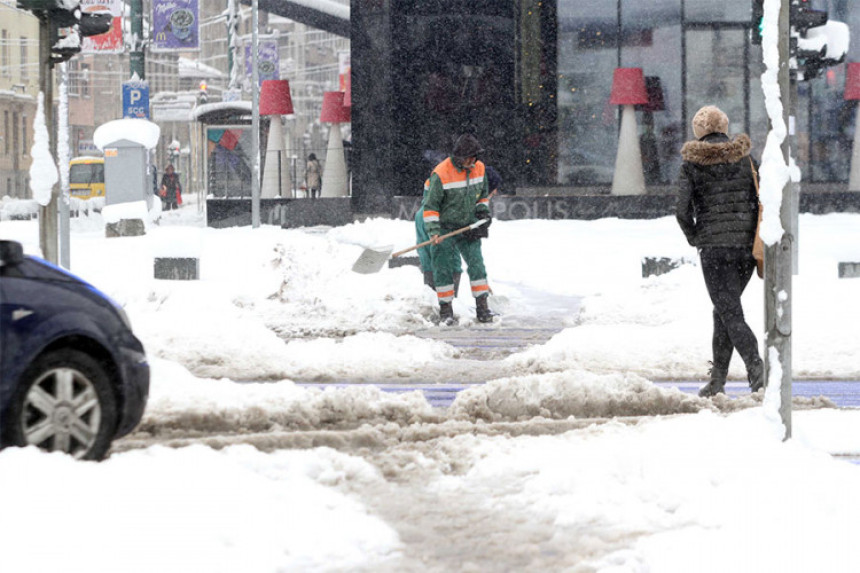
(533, 79)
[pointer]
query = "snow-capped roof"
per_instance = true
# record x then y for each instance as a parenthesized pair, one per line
(189, 68)
(241, 106)
(140, 131)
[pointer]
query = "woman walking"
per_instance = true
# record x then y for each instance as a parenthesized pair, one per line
(313, 176)
(717, 210)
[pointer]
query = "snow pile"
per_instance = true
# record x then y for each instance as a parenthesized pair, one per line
(17, 208)
(192, 509)
(140, 131)
(572, 393)
(130, 210)
(43, 170)
(179, 401)
(660, 495)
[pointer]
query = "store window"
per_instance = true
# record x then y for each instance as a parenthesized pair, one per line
(587, 55)
(74, 81)
(717, 69)
(652, 41)
(692, 53)
(85, 80)
(5, 64)
(711, 12)
(25, 60)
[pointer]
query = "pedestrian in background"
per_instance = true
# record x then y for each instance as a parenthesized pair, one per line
(171, 190)
(457, 196)
(313, 176)
(717, 210)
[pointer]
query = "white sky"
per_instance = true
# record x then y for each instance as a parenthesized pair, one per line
(681, 489)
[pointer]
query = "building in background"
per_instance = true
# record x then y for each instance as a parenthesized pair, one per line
(307, 57)
(19, 88)
(533, 78)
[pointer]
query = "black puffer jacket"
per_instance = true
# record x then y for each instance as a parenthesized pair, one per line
(717, 203)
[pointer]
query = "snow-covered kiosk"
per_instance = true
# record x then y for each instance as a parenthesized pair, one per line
(126, 144)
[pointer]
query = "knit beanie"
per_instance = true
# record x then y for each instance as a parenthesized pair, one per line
(710, 119)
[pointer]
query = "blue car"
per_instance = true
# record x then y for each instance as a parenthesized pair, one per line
(72, 374)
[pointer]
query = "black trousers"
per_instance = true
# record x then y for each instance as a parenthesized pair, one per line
(727, 272)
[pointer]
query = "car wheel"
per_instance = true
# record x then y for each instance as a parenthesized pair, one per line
(65, 403)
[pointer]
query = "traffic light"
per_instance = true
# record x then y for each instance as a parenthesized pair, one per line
(67, 25)
(203, 93)
(757, 21)
(802, 17)
(815, 42)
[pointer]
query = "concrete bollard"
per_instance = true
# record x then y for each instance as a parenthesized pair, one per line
(177, 268)
(849, 270)
(125, 228)
(655, 266)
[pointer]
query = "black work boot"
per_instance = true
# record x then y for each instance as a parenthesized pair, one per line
(717, 385)
(483, 309)
(446, 314)
(755, 375)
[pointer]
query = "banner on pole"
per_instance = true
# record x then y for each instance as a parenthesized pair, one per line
(175, 25)
(268, 62)
(111, 41)
(343, 68)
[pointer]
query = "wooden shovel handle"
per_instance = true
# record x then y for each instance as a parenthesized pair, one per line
(442, 238)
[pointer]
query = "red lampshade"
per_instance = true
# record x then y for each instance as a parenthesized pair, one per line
(347, 95)
(852, 81)
(275, 98)
(333, 110)
(655, 95)
(628, 87)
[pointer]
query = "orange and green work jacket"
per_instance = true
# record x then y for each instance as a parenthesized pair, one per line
(454, 196)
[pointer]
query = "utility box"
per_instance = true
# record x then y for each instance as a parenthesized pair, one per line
(128, 184)
(126, 144)
(126, 178)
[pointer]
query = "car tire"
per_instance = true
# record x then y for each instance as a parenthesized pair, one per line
(64, 403)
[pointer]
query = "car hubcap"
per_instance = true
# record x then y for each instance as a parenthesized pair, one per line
(62, 412)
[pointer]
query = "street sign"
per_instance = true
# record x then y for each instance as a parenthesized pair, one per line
(135, 100)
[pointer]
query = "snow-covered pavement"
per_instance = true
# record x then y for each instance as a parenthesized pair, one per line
(570, 458)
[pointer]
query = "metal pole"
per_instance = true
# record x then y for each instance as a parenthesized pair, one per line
(48, 213)
(778, 258)
(255, 118)
(63, 157)
(137, 58)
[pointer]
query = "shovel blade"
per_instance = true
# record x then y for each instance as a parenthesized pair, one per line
(371, 261)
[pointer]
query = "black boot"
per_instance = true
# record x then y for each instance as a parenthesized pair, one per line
(755, 375)
(446, 314)
(484, 313)
(717, 385)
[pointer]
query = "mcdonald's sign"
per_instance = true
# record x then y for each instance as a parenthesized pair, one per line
(175, 25)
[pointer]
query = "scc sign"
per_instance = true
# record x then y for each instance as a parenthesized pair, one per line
(135, 100)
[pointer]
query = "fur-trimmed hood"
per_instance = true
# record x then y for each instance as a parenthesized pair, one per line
(707, 153)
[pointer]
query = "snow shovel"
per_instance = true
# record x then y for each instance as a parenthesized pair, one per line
(372, 260)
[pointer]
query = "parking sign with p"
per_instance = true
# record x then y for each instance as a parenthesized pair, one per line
(135, 100)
